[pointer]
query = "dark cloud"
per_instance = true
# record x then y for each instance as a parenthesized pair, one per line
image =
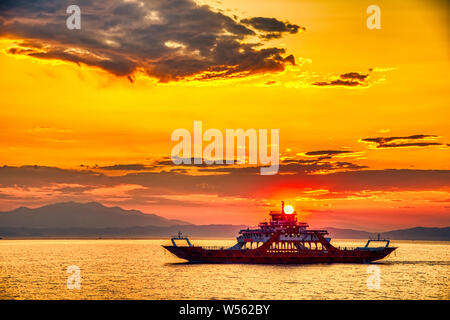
(286, 166)
(126, 167)
(411, 144)
(350, 79)
(274, 28)
(327, 152)
(388, 179)
(338, 82)
(354, 75)
(168, 40)
(291, 167)
(385, 140)
(407, 141)
(35, 176)
(320, 166)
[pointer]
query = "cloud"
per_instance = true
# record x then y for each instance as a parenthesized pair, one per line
(209, 193)
(327, 152)
(338, 82)
(407, 141)
(288, 167)
(350, 79)
(168, 40)
(125, 167)
(272, 27)
(238, 180)
(354, 76)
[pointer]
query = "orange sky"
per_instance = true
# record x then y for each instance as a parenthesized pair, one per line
(62, 115)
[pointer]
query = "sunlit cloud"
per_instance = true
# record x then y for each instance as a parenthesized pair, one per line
(149, 38)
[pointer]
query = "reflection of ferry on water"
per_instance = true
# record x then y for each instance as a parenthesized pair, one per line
(281, 240)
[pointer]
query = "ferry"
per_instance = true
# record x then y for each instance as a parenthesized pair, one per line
(282, 240)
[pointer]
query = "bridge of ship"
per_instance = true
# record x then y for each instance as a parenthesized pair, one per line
(287, 239)
(292, 235)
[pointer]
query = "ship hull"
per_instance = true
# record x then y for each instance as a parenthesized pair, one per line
(254, 256)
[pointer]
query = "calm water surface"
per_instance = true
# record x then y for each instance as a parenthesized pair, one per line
(142, 269)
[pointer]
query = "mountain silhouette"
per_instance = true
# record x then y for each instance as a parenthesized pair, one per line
(92, 219)
(81, 215)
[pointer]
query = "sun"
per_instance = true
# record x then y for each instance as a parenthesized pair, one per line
(288, 209)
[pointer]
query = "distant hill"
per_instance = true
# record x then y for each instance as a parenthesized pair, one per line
(206, 231)
(72, 219)
(348, 233)
(81, 215)
(420, 233)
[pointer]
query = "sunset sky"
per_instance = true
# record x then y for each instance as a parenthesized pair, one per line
(87, 115)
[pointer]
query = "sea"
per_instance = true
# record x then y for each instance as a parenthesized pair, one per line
(142, 269)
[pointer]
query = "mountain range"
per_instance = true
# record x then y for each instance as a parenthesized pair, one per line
(81, 215)
(72, 219)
